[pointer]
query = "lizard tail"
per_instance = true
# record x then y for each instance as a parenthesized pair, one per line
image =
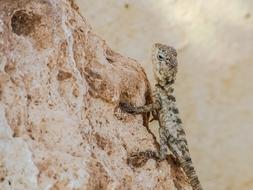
(190, 172)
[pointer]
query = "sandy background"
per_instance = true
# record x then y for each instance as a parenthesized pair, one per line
(214, 87)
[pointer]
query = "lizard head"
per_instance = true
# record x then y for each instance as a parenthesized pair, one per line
(164, 63)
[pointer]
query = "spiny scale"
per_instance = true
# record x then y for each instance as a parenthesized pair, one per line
(171, 127)
(172, 134)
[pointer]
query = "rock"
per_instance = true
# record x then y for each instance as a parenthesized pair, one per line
(214, 82)
(60, 123)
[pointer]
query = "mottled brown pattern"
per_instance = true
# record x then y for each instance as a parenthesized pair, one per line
(99, 178)
(54, 135)
(172, 134)
(63, 75)
(104, 143)
(23, 23)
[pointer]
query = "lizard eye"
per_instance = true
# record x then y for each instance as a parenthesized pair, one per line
(160, 57)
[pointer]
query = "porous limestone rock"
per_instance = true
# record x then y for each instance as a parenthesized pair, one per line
(214, 82)
(60, 123)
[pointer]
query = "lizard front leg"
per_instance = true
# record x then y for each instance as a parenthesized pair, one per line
(125, 106)
(138, 159)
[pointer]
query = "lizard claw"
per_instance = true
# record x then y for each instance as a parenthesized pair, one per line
(127, 107)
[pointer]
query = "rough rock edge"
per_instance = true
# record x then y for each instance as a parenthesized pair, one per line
(60, 125)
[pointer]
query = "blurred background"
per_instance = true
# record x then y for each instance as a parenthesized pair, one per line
(214, 87)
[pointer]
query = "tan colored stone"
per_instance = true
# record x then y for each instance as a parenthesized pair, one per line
(60, 125)
(214, 82)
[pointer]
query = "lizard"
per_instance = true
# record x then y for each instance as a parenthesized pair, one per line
(164, 109)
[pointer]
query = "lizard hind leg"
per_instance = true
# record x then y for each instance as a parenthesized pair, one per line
(139, 159)
(164, 146)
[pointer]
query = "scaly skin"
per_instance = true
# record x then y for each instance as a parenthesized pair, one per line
(172, 134)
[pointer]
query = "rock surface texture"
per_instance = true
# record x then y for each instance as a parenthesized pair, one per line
(60, 125)
(214, 82)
